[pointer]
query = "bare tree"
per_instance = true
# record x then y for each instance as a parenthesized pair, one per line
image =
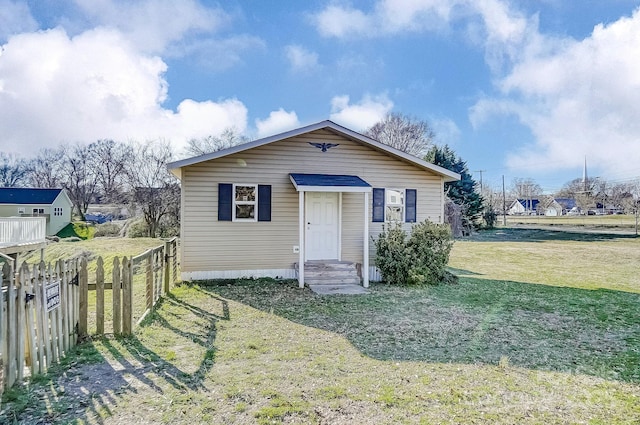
(13, 170)
(110, 159)
(581, 191)
(404, 133)
(45, 170)
(80, 178)
(229, 138)
(153, 189)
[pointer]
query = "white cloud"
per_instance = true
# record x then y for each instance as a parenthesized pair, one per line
(54, 89)
(277, 122)
(446, 130)
(492, 23)
(300, 58)
(339, 21)
(362, 115)
(580, 98)
(15, 18)
(152, 25)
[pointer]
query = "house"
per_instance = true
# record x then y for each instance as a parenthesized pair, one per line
(53, 204)
(524, 207)
(315, 194)
(562, 206)
(553, 209)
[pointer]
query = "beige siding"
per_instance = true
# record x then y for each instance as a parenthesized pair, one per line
(208, 244)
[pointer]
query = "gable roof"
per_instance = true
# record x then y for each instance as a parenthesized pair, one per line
(21, 195)
(175, 167)
(526, 203)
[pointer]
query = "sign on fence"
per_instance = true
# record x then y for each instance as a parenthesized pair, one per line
(52, 295)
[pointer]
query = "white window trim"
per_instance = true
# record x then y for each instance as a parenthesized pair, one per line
(57, 211)
(403, 205)
(21, 210)
(234, 203)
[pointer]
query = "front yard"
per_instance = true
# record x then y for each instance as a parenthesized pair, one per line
(542, 328)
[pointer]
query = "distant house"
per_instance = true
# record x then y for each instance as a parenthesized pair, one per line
(524, 207)
(568, 205)
(53, 204)
(554, 209)
(293, 203)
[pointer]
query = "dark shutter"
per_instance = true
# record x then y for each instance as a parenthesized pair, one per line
(410, 205)
(378, 205)
(264, 202)
(225, 201)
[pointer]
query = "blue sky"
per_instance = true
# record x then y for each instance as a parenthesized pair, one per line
(518, 88)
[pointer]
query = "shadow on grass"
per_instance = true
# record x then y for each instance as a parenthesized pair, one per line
(595, 332)
(88, 383)
(544, 235)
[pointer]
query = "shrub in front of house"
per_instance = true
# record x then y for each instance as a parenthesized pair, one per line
(418, 258)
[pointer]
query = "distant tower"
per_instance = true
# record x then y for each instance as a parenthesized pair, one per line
(584, 175)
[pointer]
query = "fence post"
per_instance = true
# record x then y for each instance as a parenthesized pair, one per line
(84, 298)
(100, 296)
(149, 280)
(11, 334)
(117, 291)
(167, 269)
(127, 296)
(41, 309)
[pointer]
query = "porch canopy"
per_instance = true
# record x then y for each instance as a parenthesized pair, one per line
(331, 183)
(328, 183)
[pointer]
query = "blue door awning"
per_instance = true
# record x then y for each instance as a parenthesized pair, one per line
(328, 183)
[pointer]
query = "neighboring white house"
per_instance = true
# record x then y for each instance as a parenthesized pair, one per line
(524, 207)
(317, 193)
(53, 204)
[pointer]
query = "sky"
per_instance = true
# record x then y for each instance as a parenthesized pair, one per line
(520, 89)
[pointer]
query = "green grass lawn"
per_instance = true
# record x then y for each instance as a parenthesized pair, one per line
(543, 328)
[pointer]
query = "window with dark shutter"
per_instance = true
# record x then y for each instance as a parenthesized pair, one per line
(264, 202)
(410, 203)
(378, 205)
(225, 201)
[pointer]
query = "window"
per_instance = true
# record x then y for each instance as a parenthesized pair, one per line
(37, 211)
(245, 200)
(21, 210)
(394, 205)
(57, 211)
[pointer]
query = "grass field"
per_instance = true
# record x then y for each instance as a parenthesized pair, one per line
(108, 249)
(543, 328)
(622, 222)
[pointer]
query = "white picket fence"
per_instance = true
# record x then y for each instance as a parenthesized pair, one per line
(38, 318)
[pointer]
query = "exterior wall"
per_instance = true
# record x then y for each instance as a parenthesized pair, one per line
(242, 247)
(56, 223)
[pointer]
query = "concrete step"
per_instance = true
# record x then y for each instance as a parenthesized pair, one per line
(331, 280)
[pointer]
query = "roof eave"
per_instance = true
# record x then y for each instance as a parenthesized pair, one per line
(448, 176)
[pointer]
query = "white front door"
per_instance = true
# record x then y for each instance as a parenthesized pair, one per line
(323, 226)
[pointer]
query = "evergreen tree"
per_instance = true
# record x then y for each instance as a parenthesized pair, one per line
(462, 192)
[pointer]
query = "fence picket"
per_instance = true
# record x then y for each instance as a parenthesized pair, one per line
(127, 296)
(59, 313)
(100, 296)
(64, 295)
(84, 298)
(117, 291)
(11, 334)
(46, 334)
(21, 327)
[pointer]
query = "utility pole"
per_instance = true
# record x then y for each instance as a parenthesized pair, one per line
(480, 171)
(504, 204)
